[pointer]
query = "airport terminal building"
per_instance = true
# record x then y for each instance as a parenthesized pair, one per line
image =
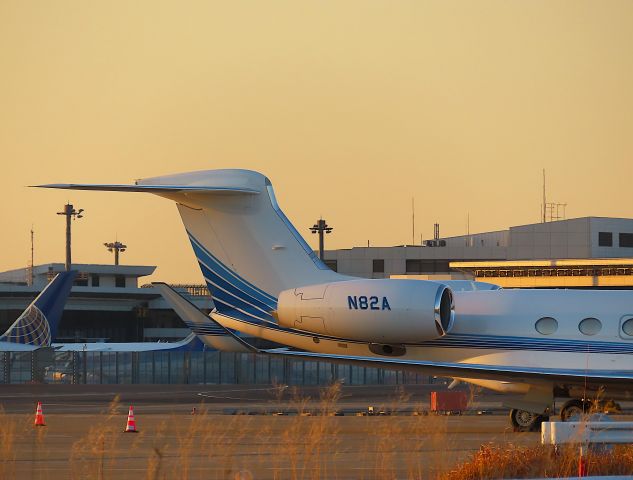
(112, 302)
(580, 252)
(107, 303)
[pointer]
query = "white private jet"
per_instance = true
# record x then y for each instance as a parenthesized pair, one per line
(37, 324)
(267, 282)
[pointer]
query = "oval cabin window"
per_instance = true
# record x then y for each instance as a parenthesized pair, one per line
(590, 326)
(627, 327)
(547, 325)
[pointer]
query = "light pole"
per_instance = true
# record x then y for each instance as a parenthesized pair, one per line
(115, 247)
(321, 227)
(69, 212)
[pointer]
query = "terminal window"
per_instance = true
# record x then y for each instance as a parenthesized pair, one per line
(413, 266)
(626, 240)
(95, 280)
(119, 281)
(605, 239)
(427, 266)
(378, 265)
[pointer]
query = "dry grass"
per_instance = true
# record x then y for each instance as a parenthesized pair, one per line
(492, 462)
(310, 445)
(8, 427)
(91, 456)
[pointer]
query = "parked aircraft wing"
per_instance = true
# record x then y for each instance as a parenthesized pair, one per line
(208, 330)
(520, 374)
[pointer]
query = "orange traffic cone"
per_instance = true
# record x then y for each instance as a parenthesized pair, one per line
(131, 424)
(39, 416)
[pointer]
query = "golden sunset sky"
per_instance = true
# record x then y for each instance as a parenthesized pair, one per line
(351, 108)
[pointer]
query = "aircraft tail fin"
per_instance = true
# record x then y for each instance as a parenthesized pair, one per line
(37, 325)
(247, 248)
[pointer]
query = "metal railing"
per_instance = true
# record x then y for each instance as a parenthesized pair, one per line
(195, 290)
(211, 367)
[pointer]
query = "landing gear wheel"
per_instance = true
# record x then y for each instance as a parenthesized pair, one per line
(524, 421)
(574, 408)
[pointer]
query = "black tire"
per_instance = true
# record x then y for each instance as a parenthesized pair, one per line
(524, 421)
(574, 408)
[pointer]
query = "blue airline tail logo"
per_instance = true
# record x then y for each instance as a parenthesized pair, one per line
(31, 328)
(38, 323)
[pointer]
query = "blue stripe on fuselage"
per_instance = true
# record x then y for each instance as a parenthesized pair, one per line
(456, 340)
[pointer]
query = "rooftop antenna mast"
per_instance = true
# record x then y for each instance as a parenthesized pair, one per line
(544, 199)
(468, 229)
(552, 210)
(413, 220)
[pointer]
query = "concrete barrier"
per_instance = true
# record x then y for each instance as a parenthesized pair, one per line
(559, 433)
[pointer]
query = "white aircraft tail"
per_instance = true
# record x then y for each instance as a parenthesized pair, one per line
(247, 248)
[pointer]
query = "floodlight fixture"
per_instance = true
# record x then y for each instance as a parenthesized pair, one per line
(69, 212)
(115, 247)
(321, 227)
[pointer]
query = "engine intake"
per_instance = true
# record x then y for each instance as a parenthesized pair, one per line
(375, 311)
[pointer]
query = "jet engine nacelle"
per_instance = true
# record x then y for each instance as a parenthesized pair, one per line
(381, 311)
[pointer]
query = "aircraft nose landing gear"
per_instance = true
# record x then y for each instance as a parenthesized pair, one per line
(524, 421)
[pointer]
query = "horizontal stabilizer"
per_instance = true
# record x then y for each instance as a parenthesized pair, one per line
(150, 188)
